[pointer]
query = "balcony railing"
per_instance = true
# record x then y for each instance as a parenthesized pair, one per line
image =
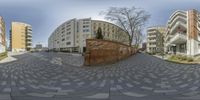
(151, 36)
(176, 25)
(178, 36)
(152, 45)
(175, 20)
(152, 40)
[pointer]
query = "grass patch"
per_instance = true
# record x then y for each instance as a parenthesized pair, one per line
(181, 59)
(3, 55)
(151, 53)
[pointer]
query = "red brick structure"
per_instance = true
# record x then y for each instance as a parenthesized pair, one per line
(104, 51)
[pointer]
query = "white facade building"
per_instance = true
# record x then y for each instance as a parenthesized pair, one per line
(71, 35)
(155, 39)
(183, 33)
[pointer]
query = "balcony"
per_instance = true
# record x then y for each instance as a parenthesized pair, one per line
(178, 24)
(178, 38)
(29, 32)
(168, 37)
(151, 32)
(29, 46)
(29, 39)
(177, 13)
(154, 40)
(177, 19)
(153, 45)
(151, 36)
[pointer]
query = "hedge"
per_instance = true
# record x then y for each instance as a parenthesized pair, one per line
(3, 55)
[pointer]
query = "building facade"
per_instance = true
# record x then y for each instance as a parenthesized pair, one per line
(155, 39)
(20, 37)
(38, 46)
(2, 36)
(71, 35)
(183, 33)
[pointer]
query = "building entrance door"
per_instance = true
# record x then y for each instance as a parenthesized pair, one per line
(174, 49)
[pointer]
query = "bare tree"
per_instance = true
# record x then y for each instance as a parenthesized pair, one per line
(132, 20)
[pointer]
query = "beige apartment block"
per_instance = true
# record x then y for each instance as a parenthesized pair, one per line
(71, 35)
(155, 39)
(20, 37)
(110, 31)
(2, 35)
(183, 33)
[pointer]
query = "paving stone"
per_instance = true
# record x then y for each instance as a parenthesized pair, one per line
(99, 96)
(184, 85)
(147, 88)
(129, 85)
(5, 97)
(194, 88)
(3, 83)
(134, 94)
(7, 90)
(132, 78)
(164, 91)
(40, 95)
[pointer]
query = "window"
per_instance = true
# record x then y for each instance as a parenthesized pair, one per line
(68, 29)
(68, 43)
(86, 30)
(85, 26)
(68, 38)
(63, 39)
(68, 25)
(86, 22)
(63, 28)
(199, 45)
(68, 33)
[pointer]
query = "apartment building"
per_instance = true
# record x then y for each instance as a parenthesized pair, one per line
(110, 31)
(155, 39)
(20, 37)
(183, 33)
(71, 35)
(2, 35)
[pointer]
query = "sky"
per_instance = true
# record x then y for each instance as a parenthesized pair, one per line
(46, 15)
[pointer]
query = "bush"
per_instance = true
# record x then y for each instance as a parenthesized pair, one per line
(173, 57)
(190, 59)
(181, 58)
(150, 53)
(3, 55)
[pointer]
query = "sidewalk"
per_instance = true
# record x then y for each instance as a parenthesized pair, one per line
(10, 58)
(161, 57)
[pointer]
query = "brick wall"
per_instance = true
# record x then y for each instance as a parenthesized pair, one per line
(105, 51)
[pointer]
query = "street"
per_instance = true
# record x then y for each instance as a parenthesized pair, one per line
(60, 76)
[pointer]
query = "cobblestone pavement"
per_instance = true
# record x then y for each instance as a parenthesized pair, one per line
(43, 76)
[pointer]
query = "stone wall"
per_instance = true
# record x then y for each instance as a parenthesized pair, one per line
(105, 51)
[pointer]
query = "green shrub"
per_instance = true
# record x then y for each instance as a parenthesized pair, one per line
(184, 58)
(173, 57)
(3, 55)
(190, 59)
(181, 58)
